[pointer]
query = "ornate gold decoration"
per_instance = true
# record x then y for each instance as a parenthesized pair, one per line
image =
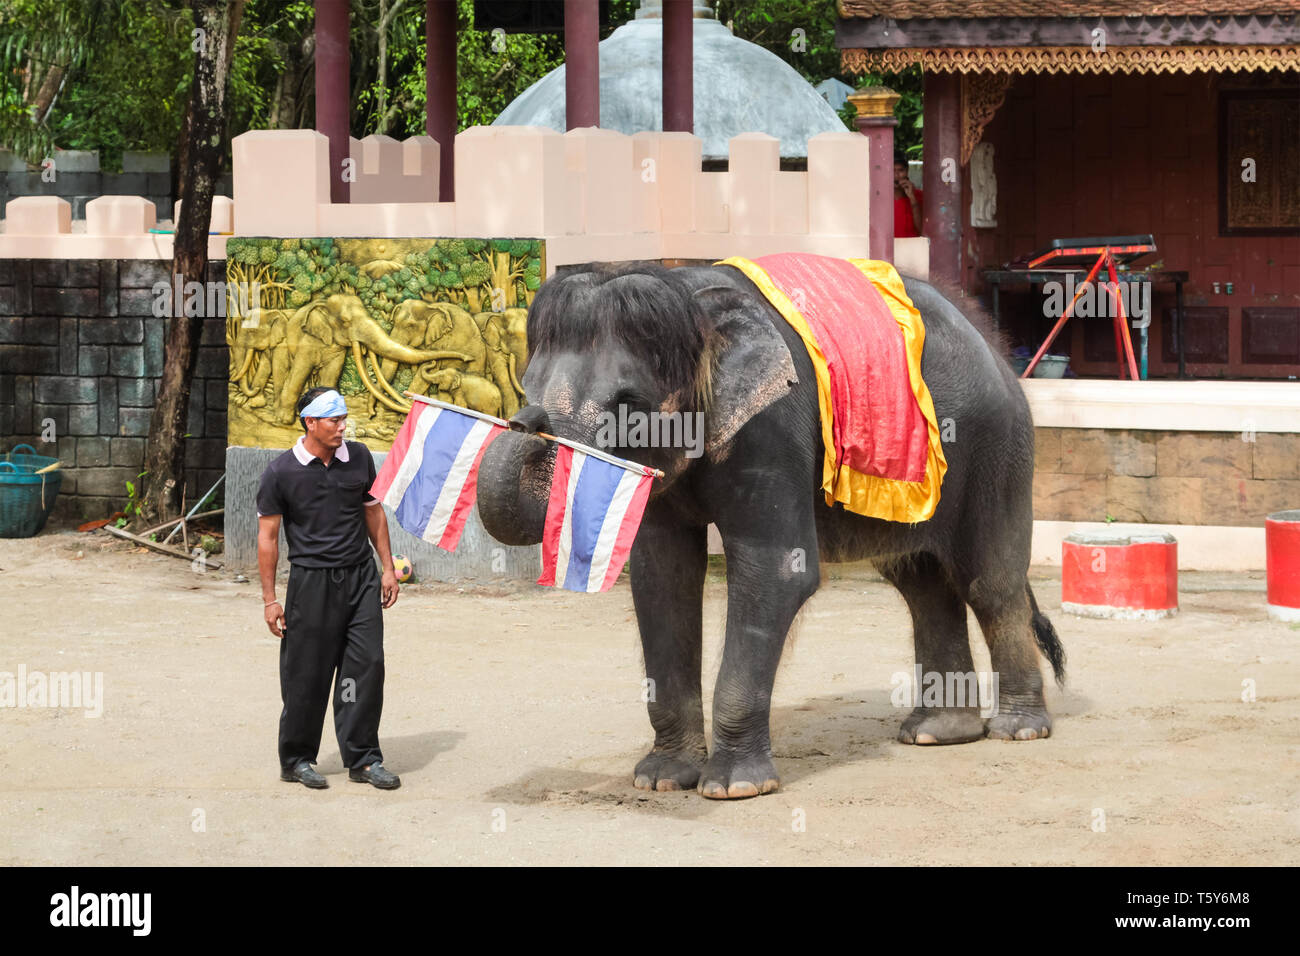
(981, 96)
(1076, 59)
(874, 101)
(375, 318)
(969, 9)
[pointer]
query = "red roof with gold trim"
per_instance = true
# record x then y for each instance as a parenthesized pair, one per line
(975, 9)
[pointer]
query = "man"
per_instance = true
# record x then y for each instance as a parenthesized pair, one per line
(331, 620)
(907, 202)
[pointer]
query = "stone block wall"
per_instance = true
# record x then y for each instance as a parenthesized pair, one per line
(81, 348)
(78, 179)
(1165, 477)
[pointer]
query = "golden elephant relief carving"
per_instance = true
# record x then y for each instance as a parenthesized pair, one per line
(376, 319)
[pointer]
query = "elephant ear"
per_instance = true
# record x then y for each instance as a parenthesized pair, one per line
(751, 366)
(318, 325)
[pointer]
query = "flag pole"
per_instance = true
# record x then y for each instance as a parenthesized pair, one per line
(459, 408)
(585, 449)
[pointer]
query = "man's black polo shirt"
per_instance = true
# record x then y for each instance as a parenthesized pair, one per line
(322, 507)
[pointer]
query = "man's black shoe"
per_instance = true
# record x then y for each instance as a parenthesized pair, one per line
(305, 774)
(376, 775)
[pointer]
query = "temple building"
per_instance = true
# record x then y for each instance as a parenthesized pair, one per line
(1178, 119)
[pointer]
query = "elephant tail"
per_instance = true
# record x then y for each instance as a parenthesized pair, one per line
(1048, 641)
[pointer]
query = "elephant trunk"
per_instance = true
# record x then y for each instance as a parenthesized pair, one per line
(374, 338)
(514, 485)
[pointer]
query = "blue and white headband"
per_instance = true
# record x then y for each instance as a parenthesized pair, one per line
(325, 405)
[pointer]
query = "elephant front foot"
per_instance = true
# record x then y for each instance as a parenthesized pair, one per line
(1020, 725)
(928, 726)
(664, 769)
(733, 777)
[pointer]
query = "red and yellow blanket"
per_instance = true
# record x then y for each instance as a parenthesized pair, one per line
(883, 458)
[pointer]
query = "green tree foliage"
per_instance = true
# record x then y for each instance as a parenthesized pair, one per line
(92, 74)
(123, 68)
(491, 70)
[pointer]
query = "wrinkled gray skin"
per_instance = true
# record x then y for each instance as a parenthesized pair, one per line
(758, 482)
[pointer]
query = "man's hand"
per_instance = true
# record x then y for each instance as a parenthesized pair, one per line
(388, 588)
(275, 619)
(908, 189)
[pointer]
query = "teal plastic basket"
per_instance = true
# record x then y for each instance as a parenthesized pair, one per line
(26, 498)
(28, 460)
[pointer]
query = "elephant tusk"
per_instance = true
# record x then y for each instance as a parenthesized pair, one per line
(248, 365)
(379, 377)
(510, 364)
(379, 396)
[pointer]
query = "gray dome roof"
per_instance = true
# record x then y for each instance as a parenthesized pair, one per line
(739, 88)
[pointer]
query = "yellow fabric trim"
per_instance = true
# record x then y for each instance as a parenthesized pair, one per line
(886, 498)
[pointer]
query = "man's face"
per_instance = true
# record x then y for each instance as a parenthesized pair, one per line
(328, 431)
(900, 173)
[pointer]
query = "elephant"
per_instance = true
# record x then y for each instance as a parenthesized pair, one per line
(256, 356)
(319, 336)
(704, 339)
(507, 352)
(463, 388)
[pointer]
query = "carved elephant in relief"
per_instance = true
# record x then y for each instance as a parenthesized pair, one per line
(322, 333)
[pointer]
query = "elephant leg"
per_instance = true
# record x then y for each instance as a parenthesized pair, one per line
(260, 378)
(1005, 618)
(332, 368)
(419, 385)
(770, 574)
(500, 369)
(303, 364)
(942, 648)
(668, 566)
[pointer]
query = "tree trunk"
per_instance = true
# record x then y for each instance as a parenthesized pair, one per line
(44, 101)
(386, 15)
(181, 153)
(218, 21)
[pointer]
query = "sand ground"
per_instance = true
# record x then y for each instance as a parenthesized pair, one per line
(514, 715)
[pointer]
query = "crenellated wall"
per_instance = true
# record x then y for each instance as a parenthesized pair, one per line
(593, 194)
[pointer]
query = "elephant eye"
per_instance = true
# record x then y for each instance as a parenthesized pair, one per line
(631, 399)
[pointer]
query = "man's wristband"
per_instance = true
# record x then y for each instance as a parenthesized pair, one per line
(269, 603)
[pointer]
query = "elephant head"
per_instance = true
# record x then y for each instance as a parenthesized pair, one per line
(610, 341)
(444, 380)
(442, 326)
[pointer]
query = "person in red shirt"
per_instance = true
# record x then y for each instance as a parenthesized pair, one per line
(907, 202)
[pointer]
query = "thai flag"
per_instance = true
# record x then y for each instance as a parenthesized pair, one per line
(591, 521)
(429, 476)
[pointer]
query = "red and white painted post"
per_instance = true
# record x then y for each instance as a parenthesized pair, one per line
(1120, 576)
(1282, 546)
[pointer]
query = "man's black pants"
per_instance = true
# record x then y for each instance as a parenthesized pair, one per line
(333, 622)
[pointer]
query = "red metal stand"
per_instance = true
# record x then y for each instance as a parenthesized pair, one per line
(1123, 342)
